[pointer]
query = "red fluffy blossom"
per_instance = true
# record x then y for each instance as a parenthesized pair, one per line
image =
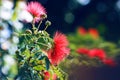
(97, 53)
(82, 31)
(46, 75)
(109, 62)
(82, 51)
(36, 9)
(60, 50)
(93, 32)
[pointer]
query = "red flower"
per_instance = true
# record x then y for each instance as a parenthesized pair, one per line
(82, 51)
(97, 53)
(60, 50)
(93, 32)
(82, 31)
(46, 75)
(36, 9)
(109, 62)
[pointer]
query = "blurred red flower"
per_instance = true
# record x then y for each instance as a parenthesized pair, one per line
(46, 75)
(82, 31)
(60, 50)
(93, 32)
(36, 10)
(97, 53)
(109, 62)
(82, 51)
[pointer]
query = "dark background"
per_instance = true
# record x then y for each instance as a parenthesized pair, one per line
(101, 14)
(67, 15)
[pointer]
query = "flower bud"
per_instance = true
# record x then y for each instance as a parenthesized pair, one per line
(47, 23)
(44, 16)
(46, 75)
(28, 31)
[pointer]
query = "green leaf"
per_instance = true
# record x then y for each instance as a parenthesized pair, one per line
(41, 57)
(47, 63)
(18, 56)
(23, 47)
(39, 68)
(26, 53)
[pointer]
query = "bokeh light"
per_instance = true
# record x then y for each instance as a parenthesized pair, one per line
(83, 2)
(69, 18)
(118, 4)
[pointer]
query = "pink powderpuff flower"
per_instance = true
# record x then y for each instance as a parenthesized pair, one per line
(93, 32)
(109, 62)
(82, 31)
(60, 50)
(36, 10)
(46, 75)
(82, 51)
(97, 53)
